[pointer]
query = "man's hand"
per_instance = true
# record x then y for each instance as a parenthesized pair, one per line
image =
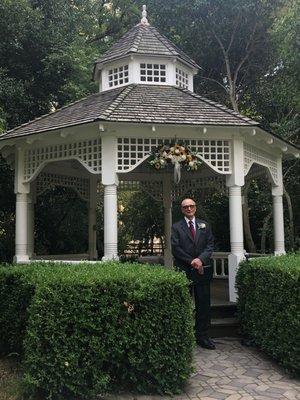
(197, 264)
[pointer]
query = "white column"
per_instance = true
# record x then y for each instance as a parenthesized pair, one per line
(167, 201)
(22, 201)
(235, 181)
(278, 216)
(110, 182)
(110, 222)
(93, 255)
(236, 237)
(30, 226)
(22, 191)
(278, 225)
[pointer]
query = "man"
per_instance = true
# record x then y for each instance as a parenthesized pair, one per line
(192, 246)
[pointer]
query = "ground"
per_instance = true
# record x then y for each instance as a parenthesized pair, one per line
(231, 372)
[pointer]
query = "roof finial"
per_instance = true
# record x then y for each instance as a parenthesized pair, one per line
(144, 20)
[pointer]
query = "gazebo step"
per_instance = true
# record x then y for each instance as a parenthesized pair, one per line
(223, 310)
(221, 327)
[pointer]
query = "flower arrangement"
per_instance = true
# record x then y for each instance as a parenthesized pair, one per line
(174, 154)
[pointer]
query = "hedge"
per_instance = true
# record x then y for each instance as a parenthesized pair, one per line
(269, 306)
(17, 288)
(90, 329)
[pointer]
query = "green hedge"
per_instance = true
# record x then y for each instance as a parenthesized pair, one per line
(95, 328)
(269, 306)
(17, 287)
(16, 290)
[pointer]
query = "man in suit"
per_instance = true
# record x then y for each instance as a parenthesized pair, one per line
(192, 246)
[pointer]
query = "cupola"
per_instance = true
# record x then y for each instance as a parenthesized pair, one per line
(144, 56)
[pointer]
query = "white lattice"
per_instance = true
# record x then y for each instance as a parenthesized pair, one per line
(207, 183)
(182, 78)
(118, 76)
(88, 152)
(216, 153)
(129, 185)
(153, 73)
(47, 180)
(155, 188)
(254, 155)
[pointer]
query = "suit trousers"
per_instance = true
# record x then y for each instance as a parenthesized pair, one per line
(201, 292)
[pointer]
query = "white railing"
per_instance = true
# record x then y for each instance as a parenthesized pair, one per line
(220, 264)
(62, 257)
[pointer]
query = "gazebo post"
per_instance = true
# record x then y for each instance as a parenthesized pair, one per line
(93, 255)
(110, 182)
(30, 223)
(167, 202)
(278, 221)
(22, 191)
(235, 181)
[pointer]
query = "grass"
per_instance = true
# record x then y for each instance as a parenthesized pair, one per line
(10, 379)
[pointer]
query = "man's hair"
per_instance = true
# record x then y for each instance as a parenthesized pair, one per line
(188, 198)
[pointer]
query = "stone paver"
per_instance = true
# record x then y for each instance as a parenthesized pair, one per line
(231, 372)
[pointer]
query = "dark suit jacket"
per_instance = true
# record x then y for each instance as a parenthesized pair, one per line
(185, 249)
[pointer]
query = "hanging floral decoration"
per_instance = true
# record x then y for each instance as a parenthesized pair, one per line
(176, 154)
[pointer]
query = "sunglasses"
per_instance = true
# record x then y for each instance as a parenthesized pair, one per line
(188, 206)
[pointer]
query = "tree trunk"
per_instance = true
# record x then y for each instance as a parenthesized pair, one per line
(264, 233)
(246, 222)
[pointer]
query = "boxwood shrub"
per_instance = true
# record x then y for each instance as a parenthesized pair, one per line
(16, 291)
(17, 287)
(96, 328)
(269, 306)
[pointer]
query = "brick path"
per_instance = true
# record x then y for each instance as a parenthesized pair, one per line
(232, 372)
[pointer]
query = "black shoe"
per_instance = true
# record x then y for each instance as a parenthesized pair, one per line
(206, 343)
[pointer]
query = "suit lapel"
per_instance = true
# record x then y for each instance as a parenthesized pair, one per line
(198, 231)
(186, 229)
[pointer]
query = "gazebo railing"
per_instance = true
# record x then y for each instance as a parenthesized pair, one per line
(220, 264)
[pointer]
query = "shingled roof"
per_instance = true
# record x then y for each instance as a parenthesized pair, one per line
(136, 103)
(144, 39)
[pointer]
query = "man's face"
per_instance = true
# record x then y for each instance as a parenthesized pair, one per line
(188, 208)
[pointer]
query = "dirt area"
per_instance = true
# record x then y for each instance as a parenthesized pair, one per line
(10, 379)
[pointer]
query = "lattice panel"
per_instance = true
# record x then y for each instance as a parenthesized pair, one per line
(48, 180)
(208, 183)
(153, 72)
(86, 151)
(254, 155)
(129, 185)
(118, 76)
(216, 153)
(182, 78)
(155, 188)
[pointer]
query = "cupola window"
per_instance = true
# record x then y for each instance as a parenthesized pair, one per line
(118, 76)
(153, 73)
(182, 78)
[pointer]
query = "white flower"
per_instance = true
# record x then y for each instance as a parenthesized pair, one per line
(201, 225)
(191, 164)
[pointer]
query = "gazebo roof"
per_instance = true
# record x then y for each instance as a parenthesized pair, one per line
(136, 104)
(144, 39)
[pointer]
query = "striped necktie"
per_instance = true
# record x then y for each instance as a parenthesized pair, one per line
(192, 229)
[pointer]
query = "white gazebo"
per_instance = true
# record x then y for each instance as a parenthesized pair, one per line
(145, 99)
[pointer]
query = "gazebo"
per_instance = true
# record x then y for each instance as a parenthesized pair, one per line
(145, 99)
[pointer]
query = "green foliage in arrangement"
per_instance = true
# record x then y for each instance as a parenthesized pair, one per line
(269, 306)
(96, 328)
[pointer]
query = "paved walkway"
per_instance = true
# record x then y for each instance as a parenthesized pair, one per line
(232, 372)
